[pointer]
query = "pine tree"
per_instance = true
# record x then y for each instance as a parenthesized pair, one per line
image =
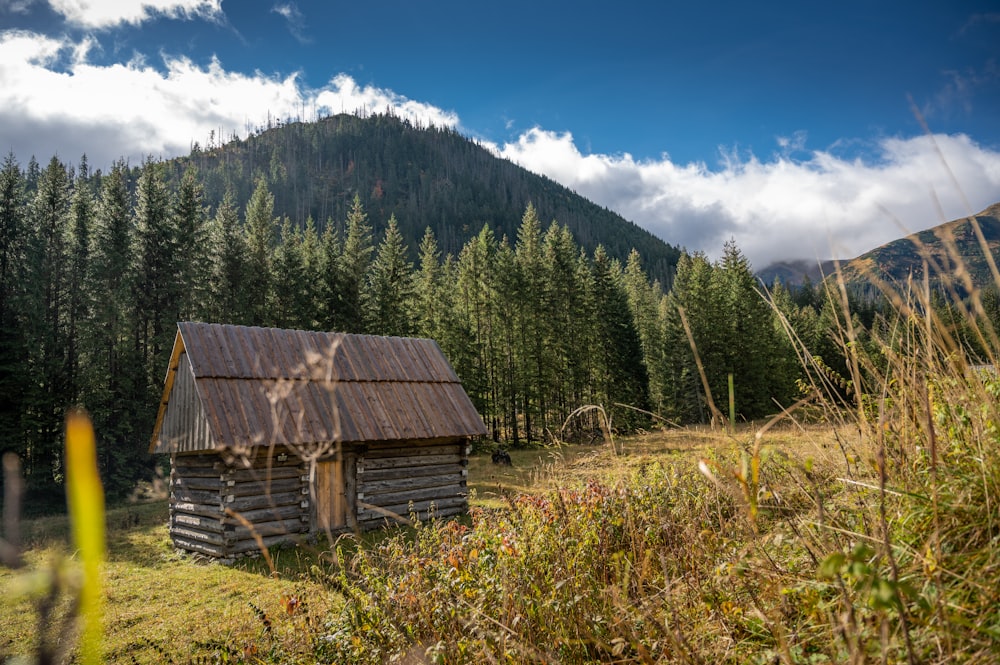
(621, 375)
(352, 299)
(644, 303)
(529, 308)
(427, 288)
(82, 213)
(391, 286)
(289, 279)
(260, 232)
(46, 315)
(13, 369)
(229, 297)
(117, 391)
(155, 288)
(331, 281)
(191, 249)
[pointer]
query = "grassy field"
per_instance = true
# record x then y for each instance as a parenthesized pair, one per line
(161, 606)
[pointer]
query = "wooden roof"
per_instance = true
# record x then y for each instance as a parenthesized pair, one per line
(261, 386)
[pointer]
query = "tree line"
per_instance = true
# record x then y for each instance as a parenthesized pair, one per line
(96, 269)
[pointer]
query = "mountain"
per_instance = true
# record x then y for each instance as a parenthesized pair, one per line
(894, 262)
(425, 176)
(794, 273)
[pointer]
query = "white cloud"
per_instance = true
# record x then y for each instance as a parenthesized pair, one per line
(794, 204)
(53, 100)
(97, 14)
(819, 207)
(343, 95)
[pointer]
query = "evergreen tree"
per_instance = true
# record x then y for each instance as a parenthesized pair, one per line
(260, 232)
(46, 316)
(621, 375)
(156, 293)
(229, 298)
(690, 299)
(644, 303)
(352, 298)
(290, 282)
(82, 212)
(191, 249)
(427, 289)
(13, 369)
(117, 391)
(755, 354)
(391, 286)
(529, 308)
(331, 281)
(476, 305)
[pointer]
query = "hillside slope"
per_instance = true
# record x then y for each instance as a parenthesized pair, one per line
(896, 261)
(426, 177)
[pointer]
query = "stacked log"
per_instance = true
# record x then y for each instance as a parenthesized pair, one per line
(406, 479)
(225, 506)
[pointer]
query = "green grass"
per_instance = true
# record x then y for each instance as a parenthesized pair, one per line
(158, 605)
(825, 543)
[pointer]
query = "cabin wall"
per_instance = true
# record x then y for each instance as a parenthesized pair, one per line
(220, 504)
(185, 427)
(391, 476)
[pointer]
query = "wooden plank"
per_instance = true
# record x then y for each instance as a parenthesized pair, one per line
(264, 474)
(370, 464)
(258, 502)
(402, 498)
(197, 535)
(283, 527)
(379, 522)
(410, 449)
(277, 486)
(268, 514)
(371, 488)
(199, 547)
(198, 509)
(411, 471)
(199, 483)
(212, 524)
(181, 494)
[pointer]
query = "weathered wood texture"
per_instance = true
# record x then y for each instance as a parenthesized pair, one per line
(263, 386)
(221, 503)
(402, 480)
(185, 427)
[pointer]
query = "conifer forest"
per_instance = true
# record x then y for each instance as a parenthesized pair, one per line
(97, 267)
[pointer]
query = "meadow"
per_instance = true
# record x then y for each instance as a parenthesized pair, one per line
(860, 525)
(681, 546)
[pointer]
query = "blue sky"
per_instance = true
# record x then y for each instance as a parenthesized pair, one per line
(788, 126)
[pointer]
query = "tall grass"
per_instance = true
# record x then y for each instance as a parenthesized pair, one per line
(883, 546)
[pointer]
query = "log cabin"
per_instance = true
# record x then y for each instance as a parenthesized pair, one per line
(277, 436)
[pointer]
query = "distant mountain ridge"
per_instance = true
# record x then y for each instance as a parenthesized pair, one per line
(901, 259)
(426, 177)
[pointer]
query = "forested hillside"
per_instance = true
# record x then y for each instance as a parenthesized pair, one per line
(97, 268)
(427, 177)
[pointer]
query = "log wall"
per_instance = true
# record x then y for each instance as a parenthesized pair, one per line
(397, 479)
(220, 505)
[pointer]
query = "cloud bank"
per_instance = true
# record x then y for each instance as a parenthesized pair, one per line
(55, 101)
(822, 206)
(102, 14)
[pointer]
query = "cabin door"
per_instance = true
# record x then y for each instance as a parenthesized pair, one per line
(333, 508)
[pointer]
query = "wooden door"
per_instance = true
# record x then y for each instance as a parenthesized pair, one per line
(331, 494)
